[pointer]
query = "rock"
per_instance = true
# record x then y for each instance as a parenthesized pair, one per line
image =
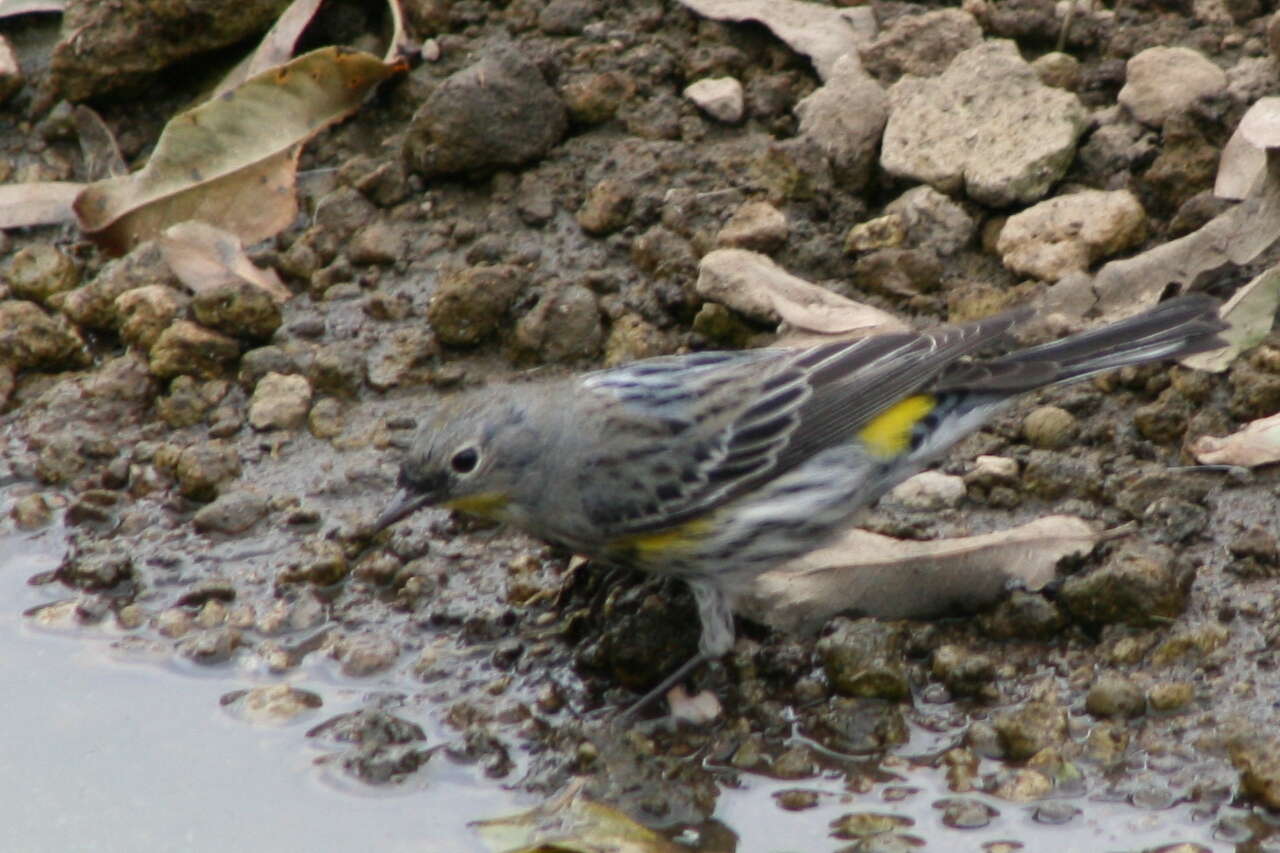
(280, 402)
(1252, 78)
(795, 169)
(111, 48)
(566, 17)
(31, 512)
(855, 725)
(883, 232)
(595, 98)
(1069, 233)
(187, 348)
(845, 119)
(631, 338)
(965, 673)
(233, 512)
(401, 357)
(607, 206)
(928, 491)
(202, 468)
(923, 45)
(337, 368)
(933, 221)
(94, 566)
(898, 272)
(1118, 146)
(39, 272)
(1114, 695)
(366, 654)
(377, 243)
(1162, 81)
(469, 305)
(1171, 696)
(987, 126)
(756, 225)
(1024, 615)
(1049, 427)
(144, 312)
(274, 705)
(989, 471)
(30, 338)
(1257, 756)
(565, 325)
(239, 309)
(1059, 70)
(494, 114)
(864, 659)
(1136, 585)
(719, 97)
(1026, 730)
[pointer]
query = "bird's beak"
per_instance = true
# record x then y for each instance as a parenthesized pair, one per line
(406, 502)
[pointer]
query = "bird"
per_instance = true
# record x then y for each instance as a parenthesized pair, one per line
(716, 466)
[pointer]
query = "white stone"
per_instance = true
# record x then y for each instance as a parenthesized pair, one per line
(846, 119)
(719, 97)
(929, 490)
(1162, 81)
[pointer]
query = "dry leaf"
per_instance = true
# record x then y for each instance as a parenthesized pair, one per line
(1250, 314)
(43, 203)
(204, 257)
(1242, 167)
(571, 823)
(242, 145)
(752, 284)
(102, 155)
(9, 8)
(276, 46)
(822, 33)
(1257, 444)
(880, 576)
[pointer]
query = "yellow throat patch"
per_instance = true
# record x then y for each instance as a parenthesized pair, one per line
(888, 434)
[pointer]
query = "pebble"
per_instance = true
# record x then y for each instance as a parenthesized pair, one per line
(280, 402)
(1162, 81)
(719, 97)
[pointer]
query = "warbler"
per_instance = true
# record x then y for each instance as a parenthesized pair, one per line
(715, 467)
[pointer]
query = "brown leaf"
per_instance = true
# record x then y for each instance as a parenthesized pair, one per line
(42, 203)
(1250, 314)
(894, 579)
(243, 145)
(276, 46)
(1257, 444)
(204, 257)
(102, 155)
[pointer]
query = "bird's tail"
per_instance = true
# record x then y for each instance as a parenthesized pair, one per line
(1179, 327)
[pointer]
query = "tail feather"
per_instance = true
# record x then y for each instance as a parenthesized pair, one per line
(1176, 328)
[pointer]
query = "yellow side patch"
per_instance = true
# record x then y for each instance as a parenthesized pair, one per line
(663, 541)
(485, 504)
(889, 433)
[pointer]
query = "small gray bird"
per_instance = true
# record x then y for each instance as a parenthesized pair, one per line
(717, 466)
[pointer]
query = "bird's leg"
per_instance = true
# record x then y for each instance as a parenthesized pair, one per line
(716, 617)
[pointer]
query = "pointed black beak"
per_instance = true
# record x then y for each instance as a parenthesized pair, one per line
(406, 502)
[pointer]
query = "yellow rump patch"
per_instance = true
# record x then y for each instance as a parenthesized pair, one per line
(485, 504)
(889, 433)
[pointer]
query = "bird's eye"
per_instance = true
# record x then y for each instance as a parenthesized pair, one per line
(465, 460)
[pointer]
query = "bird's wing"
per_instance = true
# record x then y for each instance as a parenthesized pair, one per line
(696, 431)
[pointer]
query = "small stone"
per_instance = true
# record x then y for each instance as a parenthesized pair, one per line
(1162, 81)
(279, 402)
(276, 704)
(233, 512)
(31, 512)
(238, 308)
(845, 120)
(366, 654)
(145, 312)
(719, 97)
(965, 673)
(795, 763)
(1136, 585)
(595, 98)
(469, 305)
(1049, 427)
(1257, 757)
(989, 471)
(174, 622)
(202, 468)
(1026, 730)
(565, 325)
(39, 272)
(864, 659)
(1071, 232)
(31, 338)
(566, 17)
(631, 338)
(756, 225)
(1114, 695)
(1060, 70)
(929, 491)
(336, 368)
(1171, 695)
(933, 220)
(185, 347)
(898, 272)
(606, 207)
(882, 232)
(325, 420)
(923, 45)
(376, 243)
